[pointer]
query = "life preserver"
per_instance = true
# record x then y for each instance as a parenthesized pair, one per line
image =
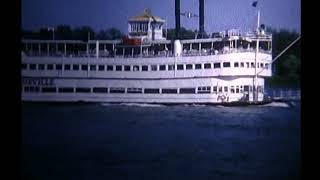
(222, 97)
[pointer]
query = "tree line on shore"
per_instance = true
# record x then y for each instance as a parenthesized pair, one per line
(286, 69)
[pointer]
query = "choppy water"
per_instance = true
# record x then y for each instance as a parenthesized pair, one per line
(104, 141)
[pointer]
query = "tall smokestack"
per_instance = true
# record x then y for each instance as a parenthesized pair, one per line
(177, 13)
(201, 18)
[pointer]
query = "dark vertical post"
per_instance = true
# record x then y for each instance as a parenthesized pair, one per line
(177, 13)
(201, 18)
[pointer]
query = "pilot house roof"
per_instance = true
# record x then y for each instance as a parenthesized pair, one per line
(146, 16)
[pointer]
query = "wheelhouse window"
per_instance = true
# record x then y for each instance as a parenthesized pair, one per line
(189, 66)
(162, 67)
(169, 91)
(144, 68)
(180, 67)
(216, 65)
(198, 66)
(207, 66)
(58, 66)
(226, 64)
(187, 90)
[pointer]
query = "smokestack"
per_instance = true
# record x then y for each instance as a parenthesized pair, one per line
(201, 18)
(177, 13)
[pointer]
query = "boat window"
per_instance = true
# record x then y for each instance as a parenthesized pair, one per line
(93, 67)
(117, 90)
(187, 90)
(41, 66)
(261, 65)
(232, 89)
(220, 89)
(267, 65)
(109, 68)
(198, 66)
(67, 67)
(32, 66)
(126, 68)
(118, 68)
(237, 89)
(162, 67)
(170, 67)
(74, 67)
(144, 68)
(248, 64)
(151, 91)
(189, 66)
(207, 66)
(101, 67)
(169, 91)
(180, 67)
(236, 64)
(136, 68)
(49, 66)
(216, 65)
(100, 90)
(204, 89)
(83, 90)
(66, 90)
(24, 66)
(84, 67)
(225, 89)
(134, 90)
(154, 67)
(226, 64)
(58, 66)
(215, 89)
(49, 89)
(257, 65)
(252, 65)
(242, 64)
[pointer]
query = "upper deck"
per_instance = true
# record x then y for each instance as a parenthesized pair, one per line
(147, 48)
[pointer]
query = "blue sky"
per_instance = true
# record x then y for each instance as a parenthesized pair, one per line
(102, 14)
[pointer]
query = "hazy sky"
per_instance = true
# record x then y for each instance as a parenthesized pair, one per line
(101, 14)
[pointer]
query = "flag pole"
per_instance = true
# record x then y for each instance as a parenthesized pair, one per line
(255, 89)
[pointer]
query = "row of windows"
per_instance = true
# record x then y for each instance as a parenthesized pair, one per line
(200, 90)
(170, 67)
